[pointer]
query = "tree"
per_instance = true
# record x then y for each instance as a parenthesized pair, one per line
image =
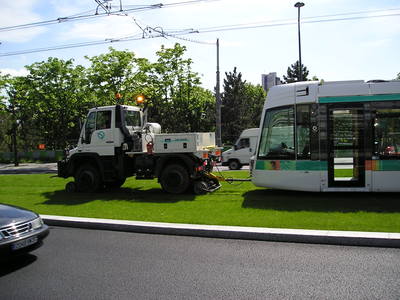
(177, 101)
(56, 95)
(172, 90)
(398, 76)
(232, 106)
(254, 103)
(46, 105)
(242, 106)
(4, 117)
(116, 72)
(15, 114)
(293, 73)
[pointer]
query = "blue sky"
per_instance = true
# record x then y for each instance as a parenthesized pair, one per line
(365, 47)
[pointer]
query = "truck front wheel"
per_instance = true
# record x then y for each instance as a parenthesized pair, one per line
(175, 179)
(87, 179)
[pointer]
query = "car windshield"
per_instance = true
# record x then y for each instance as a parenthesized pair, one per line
(132, 118)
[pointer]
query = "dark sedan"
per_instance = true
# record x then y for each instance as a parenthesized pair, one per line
(21, 230)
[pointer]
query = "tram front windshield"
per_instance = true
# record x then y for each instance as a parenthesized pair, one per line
(277, 136)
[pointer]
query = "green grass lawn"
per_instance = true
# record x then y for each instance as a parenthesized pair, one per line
(239, 204)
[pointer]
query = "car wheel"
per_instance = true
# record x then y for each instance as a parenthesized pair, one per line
(87, 179)
(70, 187)
(234, 165)
(175, 179)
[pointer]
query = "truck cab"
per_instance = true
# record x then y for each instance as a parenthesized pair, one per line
(109, 127)
(242, 150)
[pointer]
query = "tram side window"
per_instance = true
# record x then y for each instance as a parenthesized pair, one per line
(277, 135)
(387, 133)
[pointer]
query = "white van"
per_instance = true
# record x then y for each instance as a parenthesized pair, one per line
(243, 149)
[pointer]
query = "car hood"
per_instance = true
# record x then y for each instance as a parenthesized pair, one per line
(227, 152)
(11, 214)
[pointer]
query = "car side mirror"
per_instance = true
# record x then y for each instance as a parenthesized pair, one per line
(235, 147)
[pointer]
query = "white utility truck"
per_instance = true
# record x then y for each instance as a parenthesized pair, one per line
(243, 149)
(117, 142)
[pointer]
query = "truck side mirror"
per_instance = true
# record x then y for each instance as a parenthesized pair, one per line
(235, 147)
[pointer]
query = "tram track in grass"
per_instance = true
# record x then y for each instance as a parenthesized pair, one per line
(237, 204)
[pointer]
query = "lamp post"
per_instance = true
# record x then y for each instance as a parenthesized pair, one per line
(299, 5)
(218, 103)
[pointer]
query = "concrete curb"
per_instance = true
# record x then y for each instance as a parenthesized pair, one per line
(348, 238)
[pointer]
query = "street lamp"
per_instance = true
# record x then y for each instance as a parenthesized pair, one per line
(218, 131)
(299, 5)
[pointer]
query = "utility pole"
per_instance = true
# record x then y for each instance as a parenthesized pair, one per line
(14, 134)
(299, 5)
(218, 103)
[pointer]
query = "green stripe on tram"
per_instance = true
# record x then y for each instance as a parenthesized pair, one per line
(388, 165)
(309, 165)
(291, 165)
(365, 98)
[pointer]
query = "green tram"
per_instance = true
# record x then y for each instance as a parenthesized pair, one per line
(331, 136)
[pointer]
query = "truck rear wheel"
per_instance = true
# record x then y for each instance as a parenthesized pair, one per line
(87, 179)
(175, 179)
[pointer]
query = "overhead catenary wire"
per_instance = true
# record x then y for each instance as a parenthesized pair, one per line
(291, 22)
(178, 34)
(74, 45)
(137, 8)
(147, 31)
(90, 15)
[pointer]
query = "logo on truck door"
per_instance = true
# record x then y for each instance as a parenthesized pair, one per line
(101, 135)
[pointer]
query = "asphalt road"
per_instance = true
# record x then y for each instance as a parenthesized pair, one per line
(93, 264)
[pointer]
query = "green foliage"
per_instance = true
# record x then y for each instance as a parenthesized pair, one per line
(46, 105)
(398, 76)
(293, 73)
(172, 90)
(115, 72)
(242, 106)
(14, 113)
(5, 118)
(177, 101)
(57, 99)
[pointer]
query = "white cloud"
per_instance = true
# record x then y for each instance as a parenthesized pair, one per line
(71, 7)
(379, 43)
(17, 13)
(14, 72)
(103, 28)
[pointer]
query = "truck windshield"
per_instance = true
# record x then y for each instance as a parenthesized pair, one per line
(132, 118)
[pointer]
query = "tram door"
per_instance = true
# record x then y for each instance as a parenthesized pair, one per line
(346, 158)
